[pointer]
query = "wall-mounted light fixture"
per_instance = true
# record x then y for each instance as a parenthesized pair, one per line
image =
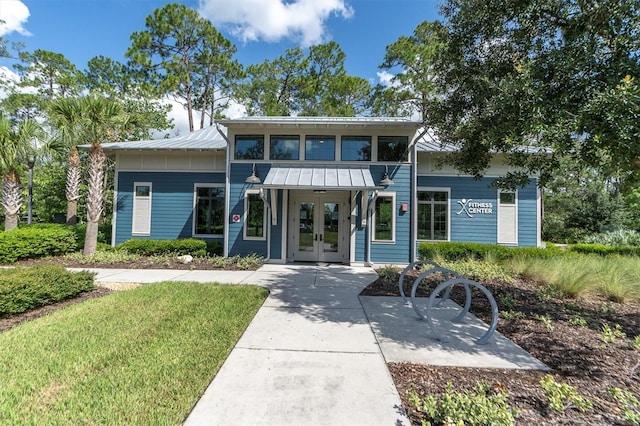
(386, 180)
(253, 178)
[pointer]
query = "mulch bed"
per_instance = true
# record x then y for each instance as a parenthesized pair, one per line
(543, 327)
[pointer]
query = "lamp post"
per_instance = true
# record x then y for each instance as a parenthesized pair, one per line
(30, 162)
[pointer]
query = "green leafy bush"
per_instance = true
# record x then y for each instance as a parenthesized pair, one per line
(192, 246)
(35, 241)
(462, 251)
(479, 406)
(604, 250)
(214, 247)
(562, 396)
(618, 238)
(22, 289)
(104, 233)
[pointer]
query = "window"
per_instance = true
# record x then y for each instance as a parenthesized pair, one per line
(284, 148)
(141, 220)
(209, 210)
(433, 215)
(356, 148)
(384, 218)
(255, 214)
(320, 148)
(249, 148)
(393, 148)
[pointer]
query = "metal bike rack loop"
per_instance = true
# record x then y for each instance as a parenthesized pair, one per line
(447, 273)
(468, 283)
(409, 267)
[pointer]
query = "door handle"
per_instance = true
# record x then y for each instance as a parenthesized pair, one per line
(315, 237)
(320, 237)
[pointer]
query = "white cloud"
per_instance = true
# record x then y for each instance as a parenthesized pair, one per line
(386, 78)
(274, 20)
(14, 15)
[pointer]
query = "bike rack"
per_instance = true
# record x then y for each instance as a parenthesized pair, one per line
(448, 284)
(412, 265)
(446, 273)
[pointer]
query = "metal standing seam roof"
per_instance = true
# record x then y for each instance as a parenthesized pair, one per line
(345, 121)
(205, 139)
(319, 178)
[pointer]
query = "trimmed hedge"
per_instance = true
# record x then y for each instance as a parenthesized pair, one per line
(35, 241)
(452, 251)
(604, 250)
(143, 247)
(22, 289)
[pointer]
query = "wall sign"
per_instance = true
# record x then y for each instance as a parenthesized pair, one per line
(235, 218)
(470, 207)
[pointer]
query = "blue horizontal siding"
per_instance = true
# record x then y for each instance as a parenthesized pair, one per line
(397, 251)
(483, 228)
(171, 203)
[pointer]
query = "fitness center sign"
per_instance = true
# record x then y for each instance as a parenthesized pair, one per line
(470, 207)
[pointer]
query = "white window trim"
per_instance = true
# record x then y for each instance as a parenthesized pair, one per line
(435, 189)
(135, 203)
(245, 215)
(374, 219)
(517, 224)
(193, 209)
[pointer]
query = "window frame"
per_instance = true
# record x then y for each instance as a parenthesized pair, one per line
(404, 159)
(245, 218)
(374, 218)
(136, 200)
(515, 206)
(318, 137)
(351, 138)
(257, 138)
(275, 138)
(447, 203)
(195, 211)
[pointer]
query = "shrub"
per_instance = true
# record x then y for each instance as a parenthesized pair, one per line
(604, 250)
(214, 247)
(35, 241)
(192, 246)
(104, 233)
(477, 407)
(562, 396)
(618, 238)
(22, 289)
(462, 251)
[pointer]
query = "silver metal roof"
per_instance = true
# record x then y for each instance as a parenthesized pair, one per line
(343, 121)
(429, 142)
(200, 140)
(324, 178)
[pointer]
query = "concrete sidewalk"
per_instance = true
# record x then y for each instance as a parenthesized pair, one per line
(316, 352)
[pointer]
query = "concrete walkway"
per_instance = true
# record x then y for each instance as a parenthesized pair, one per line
(316, 352)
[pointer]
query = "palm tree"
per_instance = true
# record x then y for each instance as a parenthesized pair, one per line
(65, 115)
(15, 148)
(102, 119)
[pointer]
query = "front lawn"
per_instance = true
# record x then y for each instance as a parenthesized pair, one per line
(142, 356)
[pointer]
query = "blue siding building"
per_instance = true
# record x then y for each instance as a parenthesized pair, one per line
(310, 189)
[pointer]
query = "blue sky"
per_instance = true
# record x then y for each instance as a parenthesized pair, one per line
(260, 29)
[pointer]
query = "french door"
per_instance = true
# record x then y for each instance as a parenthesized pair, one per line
(318, 226)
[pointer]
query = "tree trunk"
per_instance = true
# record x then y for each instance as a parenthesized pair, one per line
(94, 198)
(72, 189)
(11, 199)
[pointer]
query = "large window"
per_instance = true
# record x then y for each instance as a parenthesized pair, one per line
(384, 218)
(209, 210)
(355, 148)
(285, 148)
(249, 148)
(433, 215)
(141, 221)
(321, 148)
(393, 148)
(255, 216)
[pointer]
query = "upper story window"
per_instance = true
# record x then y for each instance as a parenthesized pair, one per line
(249, 148)
(284, 148)
(355, 148)
(393, 148)
(320, 148)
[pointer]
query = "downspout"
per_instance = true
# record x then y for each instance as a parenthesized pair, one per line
(414, 195)
(367, 259)
(227, 189)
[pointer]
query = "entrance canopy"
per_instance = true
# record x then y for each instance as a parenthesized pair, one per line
(319, 178)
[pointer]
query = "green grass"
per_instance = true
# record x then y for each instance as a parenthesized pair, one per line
(141, 356)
